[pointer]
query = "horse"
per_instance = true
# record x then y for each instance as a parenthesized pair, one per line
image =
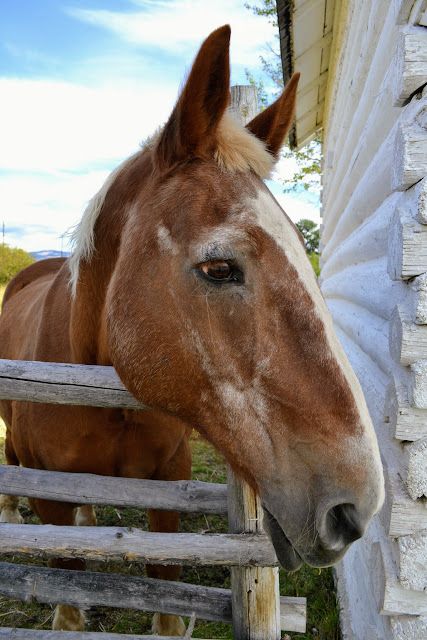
(189, 279)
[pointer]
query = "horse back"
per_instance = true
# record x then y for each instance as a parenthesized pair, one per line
(35, 313)
(30, 274)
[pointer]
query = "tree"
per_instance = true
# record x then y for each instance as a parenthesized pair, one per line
(310, 232)
(12, 260)
(308, 160)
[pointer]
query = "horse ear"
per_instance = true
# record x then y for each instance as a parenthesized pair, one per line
(272, 125)
(190, 130)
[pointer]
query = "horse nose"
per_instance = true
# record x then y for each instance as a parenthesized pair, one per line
(339, 526)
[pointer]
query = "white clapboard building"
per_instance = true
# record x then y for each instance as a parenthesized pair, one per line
(363, 86)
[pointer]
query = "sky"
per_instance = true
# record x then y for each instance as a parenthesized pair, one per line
(83, 82)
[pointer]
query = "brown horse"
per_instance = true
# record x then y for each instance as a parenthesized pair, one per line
(191, 281)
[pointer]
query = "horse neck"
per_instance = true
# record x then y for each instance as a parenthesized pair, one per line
(87, 325)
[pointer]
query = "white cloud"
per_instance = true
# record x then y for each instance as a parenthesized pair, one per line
(47, 125)
(59, 140)
(38, 208)
(179, 26)
(297, 208)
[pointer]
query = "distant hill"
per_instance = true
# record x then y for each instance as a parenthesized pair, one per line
(49, 253)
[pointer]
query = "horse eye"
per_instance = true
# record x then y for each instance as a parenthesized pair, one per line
(219, 270)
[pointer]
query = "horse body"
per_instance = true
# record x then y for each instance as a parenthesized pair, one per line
(190, 279)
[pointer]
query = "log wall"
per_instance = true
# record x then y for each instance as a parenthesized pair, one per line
(374, 279)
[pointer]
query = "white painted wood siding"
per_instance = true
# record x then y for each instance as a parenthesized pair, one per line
(374, 279)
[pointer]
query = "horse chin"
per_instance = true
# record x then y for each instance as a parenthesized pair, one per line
(288, 558)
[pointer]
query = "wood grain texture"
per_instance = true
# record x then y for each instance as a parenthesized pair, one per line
(244, 102)
(84, 589)
(89, 589)
(128, 544)
(407, 340)
(406, 422)
(407, 249)
(413, 561)
(63, 383)
(410, 63)
(255, 590)
(392, 598)
(418, 385)
(410, 146)
(401, 515)
(190, 496)
(418, 304)
(416, 469)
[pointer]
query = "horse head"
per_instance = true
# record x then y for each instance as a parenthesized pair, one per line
(192, 281)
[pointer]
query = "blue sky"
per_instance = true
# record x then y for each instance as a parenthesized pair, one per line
(83, 82)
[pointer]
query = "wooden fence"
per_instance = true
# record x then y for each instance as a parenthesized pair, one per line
(252, 605)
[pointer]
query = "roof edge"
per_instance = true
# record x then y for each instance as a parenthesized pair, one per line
(284, 18)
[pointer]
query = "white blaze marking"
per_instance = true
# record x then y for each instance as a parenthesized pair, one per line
(165, 241)
(273, 221)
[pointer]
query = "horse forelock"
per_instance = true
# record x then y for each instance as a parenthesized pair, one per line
(236, 150)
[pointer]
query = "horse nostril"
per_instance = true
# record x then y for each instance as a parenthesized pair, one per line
(340, 526)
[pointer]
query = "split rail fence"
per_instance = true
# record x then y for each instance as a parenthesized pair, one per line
(252, 605)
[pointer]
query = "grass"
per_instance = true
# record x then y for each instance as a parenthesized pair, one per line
(315, 584)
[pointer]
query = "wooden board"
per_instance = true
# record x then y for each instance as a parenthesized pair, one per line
(407, 340)
(255, 590)
(191, 496)
(402, 516)
(407, 252)
(128, 544)
(392, 597)
(63, 383)
(84, 589)
(410, 63)
(406, 422)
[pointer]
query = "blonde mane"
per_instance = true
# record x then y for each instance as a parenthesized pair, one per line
(237, 150)
(83, 236)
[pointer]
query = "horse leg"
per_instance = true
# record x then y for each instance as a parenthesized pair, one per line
(60, 513)
(165, 624)
(85, 516)
(179, 468)
(9, 504)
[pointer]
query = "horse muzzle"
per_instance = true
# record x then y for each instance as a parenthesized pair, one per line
(323, 539)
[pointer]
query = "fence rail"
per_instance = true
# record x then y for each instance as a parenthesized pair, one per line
(250, 553)
(64, 383)
(91, 589)
(191, 496)
(129, 544)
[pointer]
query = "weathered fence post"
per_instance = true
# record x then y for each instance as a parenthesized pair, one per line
(255, 590)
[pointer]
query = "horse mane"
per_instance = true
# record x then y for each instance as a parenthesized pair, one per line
(237, 149)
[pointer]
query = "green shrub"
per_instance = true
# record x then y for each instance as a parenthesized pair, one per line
(12, 260)
(314, 259)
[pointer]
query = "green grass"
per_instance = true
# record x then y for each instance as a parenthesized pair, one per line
(317, 585)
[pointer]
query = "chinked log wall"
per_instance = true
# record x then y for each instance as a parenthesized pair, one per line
(245, 551)
(374, 280)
